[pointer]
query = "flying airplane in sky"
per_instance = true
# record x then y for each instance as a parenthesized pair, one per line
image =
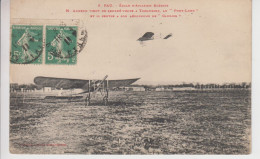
(86, 86)
(150, 36)
(147, 36)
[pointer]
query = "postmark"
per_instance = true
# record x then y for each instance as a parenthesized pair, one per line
(61, 45)
(82, 34)
(26, 44)
(82, 39)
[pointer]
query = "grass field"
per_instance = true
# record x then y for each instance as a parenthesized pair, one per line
(205, 122)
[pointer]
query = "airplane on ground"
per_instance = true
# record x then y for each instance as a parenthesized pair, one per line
(150, 36)
(86, 86)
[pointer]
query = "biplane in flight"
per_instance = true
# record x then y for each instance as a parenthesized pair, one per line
(87, 87)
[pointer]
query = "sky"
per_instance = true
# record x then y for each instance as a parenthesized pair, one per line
(212, 45)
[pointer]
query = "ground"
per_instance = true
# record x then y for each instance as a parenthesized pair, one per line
(185, 122)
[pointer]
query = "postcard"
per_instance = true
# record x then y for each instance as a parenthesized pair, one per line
(130, 77)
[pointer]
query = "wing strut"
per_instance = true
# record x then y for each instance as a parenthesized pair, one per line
(87, 100)
(96, 89)
(100, 84)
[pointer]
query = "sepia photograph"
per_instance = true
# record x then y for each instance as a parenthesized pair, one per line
(130, 77)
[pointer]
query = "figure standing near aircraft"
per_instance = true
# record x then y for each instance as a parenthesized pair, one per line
(24, 43)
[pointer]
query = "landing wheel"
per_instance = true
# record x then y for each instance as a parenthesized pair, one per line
(105, 100)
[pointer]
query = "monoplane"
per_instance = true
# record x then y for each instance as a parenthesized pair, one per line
(150, 36)
(87, 87)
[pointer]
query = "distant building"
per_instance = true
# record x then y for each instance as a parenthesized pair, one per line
(138, 88)
(159, 89)
(134, 89)
(47, 89)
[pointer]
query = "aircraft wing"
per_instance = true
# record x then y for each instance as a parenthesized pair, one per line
(148, 35)
(120, 83)
(64, 83)
(67, 83)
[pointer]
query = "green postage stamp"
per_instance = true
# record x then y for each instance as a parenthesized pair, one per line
(61, 45)
(26, 44)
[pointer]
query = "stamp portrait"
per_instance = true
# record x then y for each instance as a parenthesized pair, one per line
(61, 45)
(26, 44)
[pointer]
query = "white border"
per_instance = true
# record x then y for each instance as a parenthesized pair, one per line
(5, 154)
(255, 79)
